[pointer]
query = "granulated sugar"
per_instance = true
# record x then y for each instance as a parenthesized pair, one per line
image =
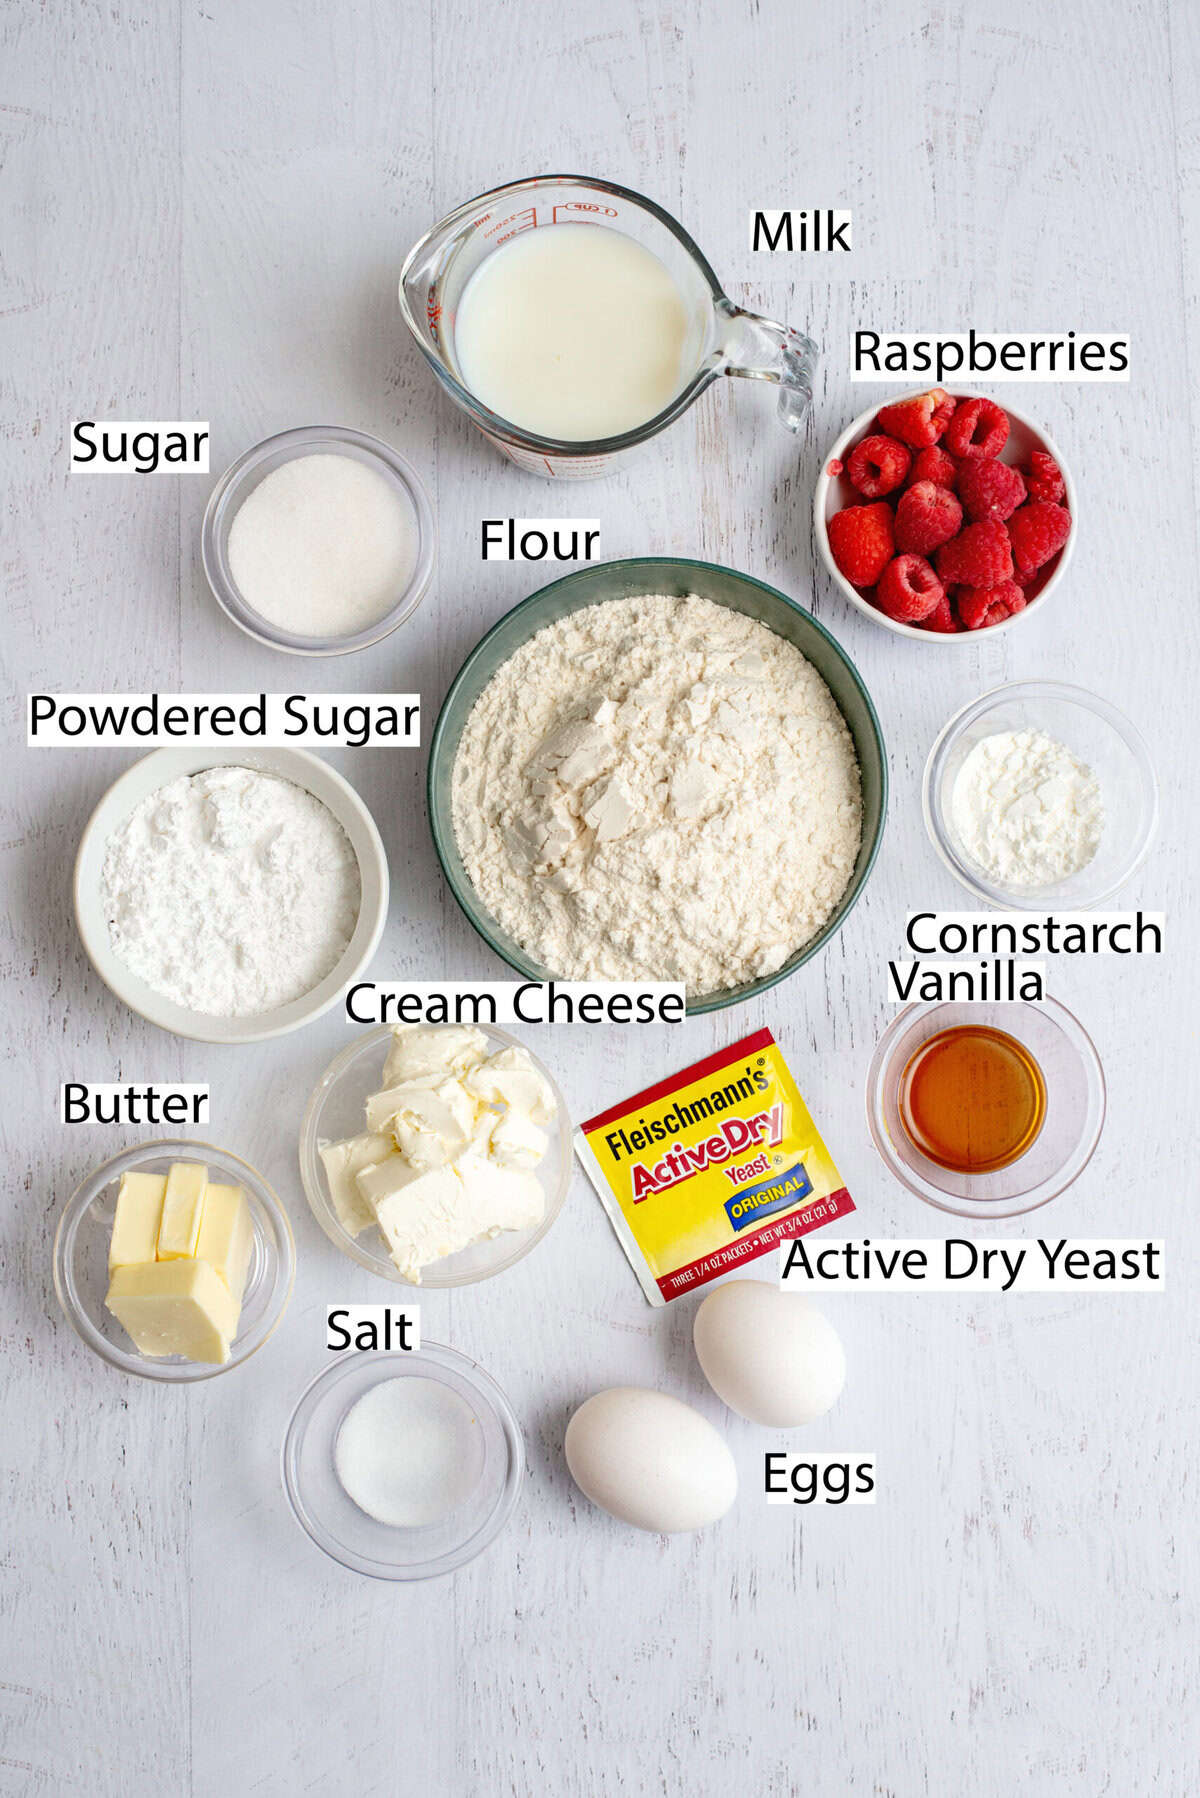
(231, 892)
(323, 547)
(658, 788)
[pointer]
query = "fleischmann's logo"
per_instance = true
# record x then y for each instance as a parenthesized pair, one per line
(733, 1135)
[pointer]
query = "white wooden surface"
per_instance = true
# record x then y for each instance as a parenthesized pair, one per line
(206, 207)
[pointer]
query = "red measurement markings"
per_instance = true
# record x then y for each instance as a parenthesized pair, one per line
(503, 229)
(585, 206)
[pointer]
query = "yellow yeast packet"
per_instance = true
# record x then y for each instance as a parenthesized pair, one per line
(711, 1168)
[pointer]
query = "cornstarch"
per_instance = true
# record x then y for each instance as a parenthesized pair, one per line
(231, 892)
(658, 788)
(1027, 811)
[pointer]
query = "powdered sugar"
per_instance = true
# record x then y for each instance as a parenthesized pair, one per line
(658, 788)
(231, 892)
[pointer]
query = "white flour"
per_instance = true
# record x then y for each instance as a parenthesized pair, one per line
(231, 892)
(1026, 810)
(658, 789)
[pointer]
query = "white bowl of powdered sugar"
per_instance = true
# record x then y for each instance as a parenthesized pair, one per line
(230, 895)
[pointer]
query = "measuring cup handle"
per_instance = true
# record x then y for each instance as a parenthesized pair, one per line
(758, 349)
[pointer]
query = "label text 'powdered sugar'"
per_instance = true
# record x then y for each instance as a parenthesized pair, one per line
(219, 720)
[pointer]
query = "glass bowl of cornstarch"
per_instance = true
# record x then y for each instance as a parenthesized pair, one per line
(1040, 796)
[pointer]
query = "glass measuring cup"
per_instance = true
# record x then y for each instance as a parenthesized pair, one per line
(723, 339)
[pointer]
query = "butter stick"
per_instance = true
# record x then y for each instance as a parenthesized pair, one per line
(136, 1220)
(175, 1307)
(226, 1239)
(183, 1209)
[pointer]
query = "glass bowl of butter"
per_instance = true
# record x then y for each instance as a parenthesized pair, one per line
(436, 1155)
(174, 1261)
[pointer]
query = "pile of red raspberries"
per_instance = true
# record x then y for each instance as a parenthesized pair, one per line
(950, 537)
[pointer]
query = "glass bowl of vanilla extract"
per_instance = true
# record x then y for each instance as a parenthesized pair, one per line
(986, 1110)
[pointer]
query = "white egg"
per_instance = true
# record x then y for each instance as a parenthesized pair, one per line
(650, 1460)
(772, 1356)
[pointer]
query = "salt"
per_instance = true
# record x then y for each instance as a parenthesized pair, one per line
(409, 1452)
(323, 547)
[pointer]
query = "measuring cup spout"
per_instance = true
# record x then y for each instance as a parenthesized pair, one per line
(758, 349)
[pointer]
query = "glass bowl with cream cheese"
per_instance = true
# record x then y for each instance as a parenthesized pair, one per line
(403, 1465)
(337, 1118)
(1040, 796)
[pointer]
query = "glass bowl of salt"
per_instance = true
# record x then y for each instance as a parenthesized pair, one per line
(403, 1465)
(319, 541)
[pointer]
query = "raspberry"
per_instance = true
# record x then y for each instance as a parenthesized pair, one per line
(1038, 531)
(979, 428)
(941, 618)
(990, 489)
(926, 517)
(934, 465)
(980, 606)
(919, 421)
(877, 465)
(908, 590)
(980, 556)
(1043, 477)
(862, 542)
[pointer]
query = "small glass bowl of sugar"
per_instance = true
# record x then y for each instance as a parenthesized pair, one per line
(319, 541)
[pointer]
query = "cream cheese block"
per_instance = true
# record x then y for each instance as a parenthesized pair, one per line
(431, 1051)
(420, 1212)
(178, 1307)
(516, 1141)
(510, 1078)
(342, 1162)
(499, 1198)
(428, 1214)
(430, 1124)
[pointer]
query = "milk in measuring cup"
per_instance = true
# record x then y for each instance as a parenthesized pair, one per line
(574, 332)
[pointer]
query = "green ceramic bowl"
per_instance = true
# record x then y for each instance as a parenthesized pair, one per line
(622, 580)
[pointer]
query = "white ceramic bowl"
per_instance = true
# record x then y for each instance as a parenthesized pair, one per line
(154, 771)
(834, 491)
(335, 1111)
